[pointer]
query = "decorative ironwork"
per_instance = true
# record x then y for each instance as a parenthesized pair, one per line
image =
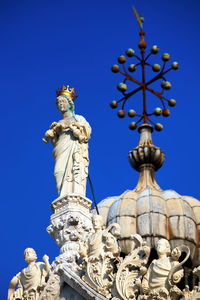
(144, 85)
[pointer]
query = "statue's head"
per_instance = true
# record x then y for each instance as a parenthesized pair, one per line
(65, 99)
(30, 255)
(163, 247)
(97, 221)
(65, 103)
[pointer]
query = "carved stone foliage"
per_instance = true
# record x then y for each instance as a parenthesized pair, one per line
(131, 269)
(129, 278)
(90, 259)
(195, 293)
(52, 289)
(100, 255)
(70, 224)
(67, 232)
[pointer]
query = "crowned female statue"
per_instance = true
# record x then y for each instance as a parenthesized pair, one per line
(70, 138)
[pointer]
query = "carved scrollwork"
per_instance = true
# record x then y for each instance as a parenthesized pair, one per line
(100, 255)
(68, 230)
(164, 273)
(131, 270)
(52, 289)
(100, 273)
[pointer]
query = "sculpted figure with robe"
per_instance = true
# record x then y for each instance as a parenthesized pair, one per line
(31, 280)
(69, 137)
(164, 273)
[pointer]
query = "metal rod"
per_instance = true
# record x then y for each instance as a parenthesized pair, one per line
(91, 186)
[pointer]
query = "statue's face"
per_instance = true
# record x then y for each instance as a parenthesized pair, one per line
(62, 104)
(97, 222)
(163, 247)
(30, 255)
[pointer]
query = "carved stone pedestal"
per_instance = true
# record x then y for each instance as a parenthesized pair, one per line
(70, 224)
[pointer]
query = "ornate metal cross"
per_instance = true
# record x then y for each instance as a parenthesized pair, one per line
(144, 85)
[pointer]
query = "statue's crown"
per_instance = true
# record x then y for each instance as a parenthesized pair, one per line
(67, 92)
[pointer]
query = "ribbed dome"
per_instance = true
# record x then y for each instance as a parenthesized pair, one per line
(150, 211)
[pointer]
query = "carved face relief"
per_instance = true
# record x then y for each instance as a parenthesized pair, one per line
(62, 104)
(163, 247)
(30, 255)
(73, 220)
(97, 222)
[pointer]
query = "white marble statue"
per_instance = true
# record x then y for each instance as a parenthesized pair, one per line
(100, 254)
(102, 240)
(70, 138)
(31, 280)
(157, 279)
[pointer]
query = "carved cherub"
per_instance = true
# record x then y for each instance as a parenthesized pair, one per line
(31, 280)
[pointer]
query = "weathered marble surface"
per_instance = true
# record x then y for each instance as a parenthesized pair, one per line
(93, 268)
(31, 280)
(69, 136)
(142, 209)
(70, 224)
(165, 272)
(100, 254)
(69, 293)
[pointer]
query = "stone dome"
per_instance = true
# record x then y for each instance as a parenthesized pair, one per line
(151, 211)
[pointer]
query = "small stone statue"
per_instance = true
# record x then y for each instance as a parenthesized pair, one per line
(102, 240)
(31, 280)
(69, 136)
(100, 255)
(164, 273)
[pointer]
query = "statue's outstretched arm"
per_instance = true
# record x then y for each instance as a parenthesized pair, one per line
(50, 134)
(12, 286)
(47, 264)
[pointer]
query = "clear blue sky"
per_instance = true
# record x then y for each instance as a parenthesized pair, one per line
(47, 43)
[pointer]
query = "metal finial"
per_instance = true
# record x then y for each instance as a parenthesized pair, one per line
(140, 18)
(143, 85)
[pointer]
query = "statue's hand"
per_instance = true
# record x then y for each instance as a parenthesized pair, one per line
(72, 127)
(59, 127)
(53, 125)
(76, 124)
(44, 140)
(176, 253)
(76, 133)
(45, 258)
